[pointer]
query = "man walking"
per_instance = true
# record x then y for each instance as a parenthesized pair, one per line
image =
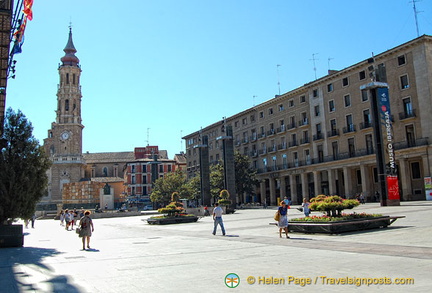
(217, 218)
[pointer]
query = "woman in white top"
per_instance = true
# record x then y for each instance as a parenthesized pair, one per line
(306, 209)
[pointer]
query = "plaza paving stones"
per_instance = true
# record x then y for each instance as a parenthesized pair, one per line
(129, 255)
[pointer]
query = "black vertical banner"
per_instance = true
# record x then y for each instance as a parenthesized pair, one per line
(390, 160)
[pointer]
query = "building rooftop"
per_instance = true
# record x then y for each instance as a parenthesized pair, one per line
(107, 179)
(108, 157)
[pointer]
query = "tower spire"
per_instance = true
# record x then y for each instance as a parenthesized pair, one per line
(69, 58)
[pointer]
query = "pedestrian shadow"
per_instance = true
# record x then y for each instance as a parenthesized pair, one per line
(19, 280)
(299, 238)
(92, 250)
(61, 284)
(232, 235)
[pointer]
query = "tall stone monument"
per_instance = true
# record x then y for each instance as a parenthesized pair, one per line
(204, 170)
(228, 159)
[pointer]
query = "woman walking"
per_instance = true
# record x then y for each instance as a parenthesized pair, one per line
(283, 219)
(86, 225)
(306, 209)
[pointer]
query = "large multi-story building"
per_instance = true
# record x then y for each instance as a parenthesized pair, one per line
(318, 138)
(149, 164)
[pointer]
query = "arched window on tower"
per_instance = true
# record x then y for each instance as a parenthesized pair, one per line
(67, 105)
(67, 78)
(73, 78)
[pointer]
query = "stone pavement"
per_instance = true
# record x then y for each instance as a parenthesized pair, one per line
(128, 255)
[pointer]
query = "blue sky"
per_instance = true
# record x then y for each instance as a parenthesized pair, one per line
(154, 71)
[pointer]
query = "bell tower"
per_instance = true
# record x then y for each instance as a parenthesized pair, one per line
(64, 142)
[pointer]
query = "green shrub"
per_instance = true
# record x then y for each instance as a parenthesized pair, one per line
(332, 205)
(224, 195)
(173, 208)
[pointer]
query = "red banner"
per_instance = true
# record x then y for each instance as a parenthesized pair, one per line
(393, 188)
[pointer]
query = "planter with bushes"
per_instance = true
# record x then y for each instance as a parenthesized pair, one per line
(174, 213)
(333, 221)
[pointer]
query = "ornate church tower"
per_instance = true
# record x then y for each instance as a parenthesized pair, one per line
(64, 142)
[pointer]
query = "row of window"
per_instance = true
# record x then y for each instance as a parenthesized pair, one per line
(144, 179)
(403, 81)
(148, 168)
(404, 84)
(284, 162)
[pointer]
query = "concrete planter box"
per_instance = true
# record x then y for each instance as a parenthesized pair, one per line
(172, 220)
(11, 236)
(342, 226)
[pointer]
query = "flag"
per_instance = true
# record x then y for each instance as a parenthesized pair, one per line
(19, 37)
(19, 33)
(17, 48)
(28, 9)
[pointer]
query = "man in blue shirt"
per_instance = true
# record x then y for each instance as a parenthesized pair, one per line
(217, 218)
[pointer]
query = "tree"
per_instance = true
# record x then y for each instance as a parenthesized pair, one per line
(23, 167)
(216, 179)
(166, 186)
(245, 180)
(194, 185)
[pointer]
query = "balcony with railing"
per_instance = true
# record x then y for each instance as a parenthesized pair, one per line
(303, 122)
(321, 159)
(272, 149)
(304, 140)
(282, 146)
(291, 125)
(354, 153)
(410, 143)
(349, 128)
(365, 124)
(271, 132)
(333, 132)
(407, 114)
(318, 136)
(292, 143)
(280, 129)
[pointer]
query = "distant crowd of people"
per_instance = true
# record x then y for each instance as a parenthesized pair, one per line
(68, 218)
